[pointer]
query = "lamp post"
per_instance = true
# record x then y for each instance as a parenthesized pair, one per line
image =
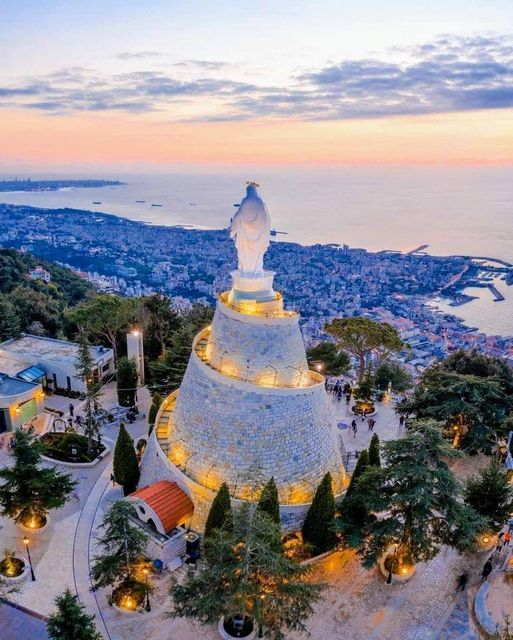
(32, 574)
(260, 625)
(148, 605)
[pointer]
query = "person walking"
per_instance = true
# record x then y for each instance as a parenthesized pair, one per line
(487, 569)
(507, 538)
(371, 422)
(500, 543)
(401, 420)
(354, 427)
(462, 582)
(348, 398)
(71, 409)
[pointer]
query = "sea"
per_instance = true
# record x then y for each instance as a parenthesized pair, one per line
(452, 210)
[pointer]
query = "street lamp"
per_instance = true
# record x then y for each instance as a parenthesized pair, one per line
(148, 605)
(260, 625)
(32, 574)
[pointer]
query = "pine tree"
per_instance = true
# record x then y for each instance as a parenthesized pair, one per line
(319, 526)
(123, 545)
(374, 451)
(244, 574)
(270, 502)
(126, 468)
(70, 621)
(362, 464)
(418, 497)
(126, 379)
(28, 489)
(156, 403)
(490, 494)
(92, 408)
(220, 515)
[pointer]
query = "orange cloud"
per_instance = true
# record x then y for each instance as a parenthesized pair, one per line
(457, 138)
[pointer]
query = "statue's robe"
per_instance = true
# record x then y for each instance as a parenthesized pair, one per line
(250, 229)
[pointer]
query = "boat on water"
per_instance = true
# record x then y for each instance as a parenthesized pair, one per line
(140, 201)
(96, 202)
(156, 205)
(275, 233)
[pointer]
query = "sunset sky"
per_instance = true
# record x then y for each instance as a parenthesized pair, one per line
(144, 83)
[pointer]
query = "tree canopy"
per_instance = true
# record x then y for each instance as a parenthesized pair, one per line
(363, 337)
(319, 525)
(70, 621)
(244, 573)
(393, 373)
(330, 360)
(418, 499)
(490, 494)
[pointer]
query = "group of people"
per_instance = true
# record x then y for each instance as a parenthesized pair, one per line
(339, 391)
(503, 541)
(371, 423)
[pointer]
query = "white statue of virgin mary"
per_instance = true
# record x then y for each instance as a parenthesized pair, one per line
(251, 230)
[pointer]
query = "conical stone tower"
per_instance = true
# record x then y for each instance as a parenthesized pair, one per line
(249, 407)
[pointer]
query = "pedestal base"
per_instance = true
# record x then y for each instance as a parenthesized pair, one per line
(254, 294)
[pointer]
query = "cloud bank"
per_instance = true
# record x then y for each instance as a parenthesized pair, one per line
(450, 74)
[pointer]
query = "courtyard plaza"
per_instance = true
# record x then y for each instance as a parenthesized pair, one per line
(356, 602)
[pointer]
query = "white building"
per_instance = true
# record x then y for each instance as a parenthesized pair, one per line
(51, 362)
(20, 401)
(40, 273)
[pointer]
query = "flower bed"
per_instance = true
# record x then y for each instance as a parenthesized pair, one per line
(363, 407)
(70, 447)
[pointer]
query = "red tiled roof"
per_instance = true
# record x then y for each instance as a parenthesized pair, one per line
(168, 501)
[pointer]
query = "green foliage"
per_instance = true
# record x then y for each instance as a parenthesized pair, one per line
(123, 545)
(92, 408)
(490, 494)
(364, 391)
(70, 621)
(38, 307)
(156, 402)
(126, 467)
(220, 515)
(244, 573)
(353, 513)
(319, 525)
(160, 321)
(374, 451)
(363, 337)
(28, 489)
(270, 502)
(105, 317)
(10, 324)
(127, 379)
(475, 363)
(169, 371)
(479, 405)
(418, 499)
(392, 372)
(332, 361)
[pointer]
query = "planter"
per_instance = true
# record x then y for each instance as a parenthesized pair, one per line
(30, 528)
(129, 597)
(14, 579)
(405, 571)
(70, 449)
(226, 635)
(368, 407)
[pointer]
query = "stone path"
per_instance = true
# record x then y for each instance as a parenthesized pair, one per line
(459, 624)
(18, 625)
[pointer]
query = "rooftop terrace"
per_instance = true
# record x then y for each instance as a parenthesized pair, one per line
(28, 347)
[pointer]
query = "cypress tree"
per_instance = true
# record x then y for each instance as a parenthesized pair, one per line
(126, 468)
(157, 400)
(220, 515)
(269, 501)
(374, 452)
(362, 464)
(126, 376)
(353, 514)
(70, 621)
(319, 526)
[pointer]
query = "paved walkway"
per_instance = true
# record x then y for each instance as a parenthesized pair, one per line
(18, 625)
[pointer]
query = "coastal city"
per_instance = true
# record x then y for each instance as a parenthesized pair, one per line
(256, 320)
(130, 258)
